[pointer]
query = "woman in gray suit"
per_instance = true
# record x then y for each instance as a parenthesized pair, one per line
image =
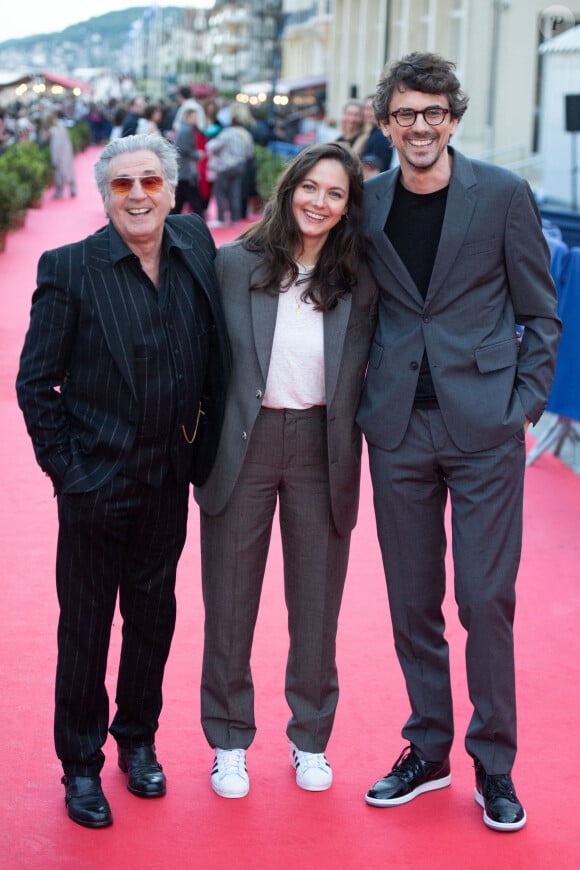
(300, 307)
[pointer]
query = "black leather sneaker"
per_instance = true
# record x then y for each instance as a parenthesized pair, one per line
(410, 777)
(502, 810)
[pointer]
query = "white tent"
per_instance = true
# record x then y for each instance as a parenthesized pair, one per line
(560, 150)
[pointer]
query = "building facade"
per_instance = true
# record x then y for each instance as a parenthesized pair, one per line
(560, 120)
(306, 38)
(245, 40)
(494, 43)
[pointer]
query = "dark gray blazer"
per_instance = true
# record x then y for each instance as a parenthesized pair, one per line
(76, 383)
(492, 270)
(251, 319)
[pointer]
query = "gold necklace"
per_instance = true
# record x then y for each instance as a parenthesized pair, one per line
(302, 280)
(298, 297)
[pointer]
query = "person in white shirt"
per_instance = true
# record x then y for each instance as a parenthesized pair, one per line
(300, 307)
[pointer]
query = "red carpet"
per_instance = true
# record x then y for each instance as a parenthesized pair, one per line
(278, 825)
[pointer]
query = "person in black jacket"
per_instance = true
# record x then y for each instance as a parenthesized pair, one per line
(377, 146)
(131, 119)
(122, 385)
(457, 249)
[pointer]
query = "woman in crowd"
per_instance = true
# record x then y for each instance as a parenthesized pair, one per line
(151, 119)
(61, 156)
(118, 118)
(212, 127)
(189, 143)
(212, 123)
(230, 153)
(376, 146)
(300, 306)
(352, 126)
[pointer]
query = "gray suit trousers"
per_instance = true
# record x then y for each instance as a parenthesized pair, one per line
(411, 485)
(286, 463)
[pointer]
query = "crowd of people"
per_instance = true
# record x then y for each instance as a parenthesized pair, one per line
(384, 307)
(215, 142)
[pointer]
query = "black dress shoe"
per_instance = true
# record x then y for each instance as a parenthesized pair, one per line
(146, 777)
(410, 777)
(85, 802)
(502, 810)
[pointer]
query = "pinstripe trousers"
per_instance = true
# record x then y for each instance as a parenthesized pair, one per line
(125, 539)
(286, 465)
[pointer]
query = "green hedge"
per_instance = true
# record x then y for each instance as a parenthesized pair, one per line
(269, 167)
(30, 164)
(26, 172)
(80, 135)
(10, 194)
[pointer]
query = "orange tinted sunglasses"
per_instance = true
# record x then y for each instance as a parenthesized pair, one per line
(149, 183)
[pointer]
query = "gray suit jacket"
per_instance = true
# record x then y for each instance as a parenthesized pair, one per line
(251, 319)
(492, 270)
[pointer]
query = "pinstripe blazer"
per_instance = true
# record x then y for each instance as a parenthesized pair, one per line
(251, 320)
(76, 382)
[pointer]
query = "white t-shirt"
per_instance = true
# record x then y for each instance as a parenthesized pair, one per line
(296, 374)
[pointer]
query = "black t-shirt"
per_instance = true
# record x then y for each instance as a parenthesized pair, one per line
(414, 229)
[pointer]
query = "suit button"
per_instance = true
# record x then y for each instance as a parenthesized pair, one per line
(244, 436)
(259, 394)
(414, 366)
(427, 318)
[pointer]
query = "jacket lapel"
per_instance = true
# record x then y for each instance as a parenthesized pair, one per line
(110, 306)
(335, 323)
(263, 311)
(378, 201)
(264, 308)
(458, 213)
(195, 257)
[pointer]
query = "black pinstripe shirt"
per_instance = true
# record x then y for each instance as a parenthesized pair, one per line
(158, 368)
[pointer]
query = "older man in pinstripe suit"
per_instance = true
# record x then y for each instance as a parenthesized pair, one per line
(122, 382)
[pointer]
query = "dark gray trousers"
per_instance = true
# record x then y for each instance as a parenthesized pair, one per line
(286, 465)
(411, 485)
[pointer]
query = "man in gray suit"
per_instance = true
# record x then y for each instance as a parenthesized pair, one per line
(457, 250)
(122, 384)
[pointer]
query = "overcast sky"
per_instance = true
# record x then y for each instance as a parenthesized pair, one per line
(27, 17)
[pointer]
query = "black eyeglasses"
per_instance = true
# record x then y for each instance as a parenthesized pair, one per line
(149, 184)
(434, 115)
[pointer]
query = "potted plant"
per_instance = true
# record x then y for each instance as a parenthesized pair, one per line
(8, 198)
(25, 161)
(269, 167)
(20, 205)
(80, 135)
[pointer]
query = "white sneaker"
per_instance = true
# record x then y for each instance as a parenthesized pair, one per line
(313, 772)
(229, 774)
